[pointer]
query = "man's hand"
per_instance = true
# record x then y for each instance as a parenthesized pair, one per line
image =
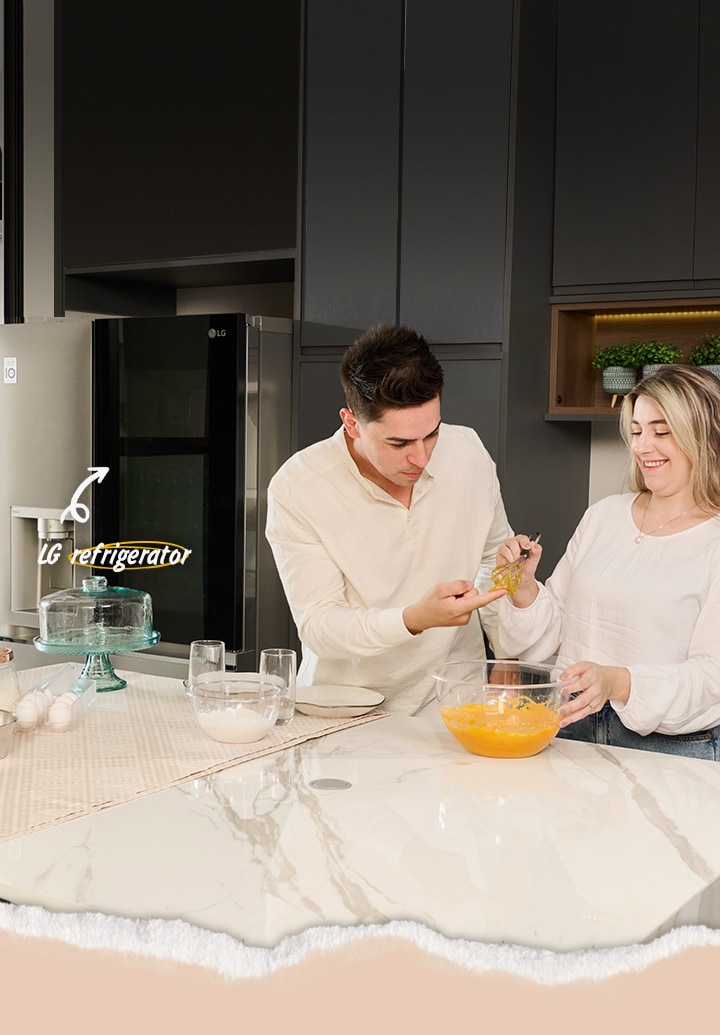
(447, 604)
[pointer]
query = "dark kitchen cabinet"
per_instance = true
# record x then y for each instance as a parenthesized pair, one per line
(427, 199)
(707, 216)
(350, 166)
(627, 101)
(179, 135)
(471, 395)
(454, 184)
(407, 110)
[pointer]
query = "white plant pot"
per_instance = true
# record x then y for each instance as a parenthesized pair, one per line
(652, 368)
(714, 368)
(619, 380)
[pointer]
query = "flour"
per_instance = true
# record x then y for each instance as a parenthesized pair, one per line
(234, 725)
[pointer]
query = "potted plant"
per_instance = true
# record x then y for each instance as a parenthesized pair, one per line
(707, 353)
(619, 364)
(655, 354)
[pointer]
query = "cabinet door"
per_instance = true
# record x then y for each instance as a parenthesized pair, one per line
(626, 139)
(707, 232)
(320, 396)
(353, 59)
(456, 103)
(471, 395)
(179, 129)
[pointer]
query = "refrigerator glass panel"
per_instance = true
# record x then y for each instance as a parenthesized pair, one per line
(169, 422)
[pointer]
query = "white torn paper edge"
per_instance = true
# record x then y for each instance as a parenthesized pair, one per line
(180, 942)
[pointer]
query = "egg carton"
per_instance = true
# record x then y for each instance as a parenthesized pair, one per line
(58, 701)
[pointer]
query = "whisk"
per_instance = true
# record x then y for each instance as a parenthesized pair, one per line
(509, 576)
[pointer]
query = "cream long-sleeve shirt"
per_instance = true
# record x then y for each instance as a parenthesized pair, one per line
(351, 558)
(652, 607)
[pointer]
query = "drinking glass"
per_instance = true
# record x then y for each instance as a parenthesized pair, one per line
(205, 656)
(483, 580)
(281, 663)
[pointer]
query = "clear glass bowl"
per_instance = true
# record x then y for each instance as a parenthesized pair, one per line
(235, 711)
(500, 709)
(97, 620)
(7, 728)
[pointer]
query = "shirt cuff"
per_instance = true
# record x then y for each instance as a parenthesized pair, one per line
(392, 627)
(643, 711)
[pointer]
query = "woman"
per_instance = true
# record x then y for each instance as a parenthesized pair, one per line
(633, 607)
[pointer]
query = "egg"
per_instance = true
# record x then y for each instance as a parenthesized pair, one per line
(46, 698)
(26, 710)
(60, 715)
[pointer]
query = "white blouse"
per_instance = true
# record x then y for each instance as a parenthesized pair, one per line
(652, 607)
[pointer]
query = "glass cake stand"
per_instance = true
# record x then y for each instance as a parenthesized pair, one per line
(98, 643)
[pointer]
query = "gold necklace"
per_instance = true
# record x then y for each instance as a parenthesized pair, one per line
(642, 534)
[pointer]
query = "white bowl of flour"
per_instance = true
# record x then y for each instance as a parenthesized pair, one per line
(235, 711)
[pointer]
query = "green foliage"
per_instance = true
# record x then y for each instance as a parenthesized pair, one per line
(657, 352)
(619, 354)
(707, 353)
(636, 353)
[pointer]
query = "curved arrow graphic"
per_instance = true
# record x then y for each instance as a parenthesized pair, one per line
(75, 509)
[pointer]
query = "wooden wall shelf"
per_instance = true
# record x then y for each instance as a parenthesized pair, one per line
(579, 328)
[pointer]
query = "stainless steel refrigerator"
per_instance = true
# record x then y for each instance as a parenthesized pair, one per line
(45, 451)
(192, 416)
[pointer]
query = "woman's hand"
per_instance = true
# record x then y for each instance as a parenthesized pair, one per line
(591, 686)
(510, 551)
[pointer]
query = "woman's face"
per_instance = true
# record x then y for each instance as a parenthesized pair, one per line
(665, 467)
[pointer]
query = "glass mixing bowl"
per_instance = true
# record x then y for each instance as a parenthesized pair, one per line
(235, 711)
(500, 709)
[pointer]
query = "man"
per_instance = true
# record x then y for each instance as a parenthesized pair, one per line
(378, 532)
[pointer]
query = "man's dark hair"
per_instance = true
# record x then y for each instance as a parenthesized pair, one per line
(389, 368)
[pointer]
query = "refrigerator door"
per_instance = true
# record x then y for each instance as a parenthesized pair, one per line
(169, 417)
(45, 450)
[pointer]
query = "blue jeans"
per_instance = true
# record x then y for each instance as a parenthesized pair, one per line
(605, 727)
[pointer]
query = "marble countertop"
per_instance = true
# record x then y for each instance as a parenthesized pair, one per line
(580, 846)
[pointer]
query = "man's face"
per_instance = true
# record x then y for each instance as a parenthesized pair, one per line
(396, 447)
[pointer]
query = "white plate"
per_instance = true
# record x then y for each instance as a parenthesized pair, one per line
(336, 702)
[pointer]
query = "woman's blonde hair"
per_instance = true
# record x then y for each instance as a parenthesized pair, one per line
(689, 400)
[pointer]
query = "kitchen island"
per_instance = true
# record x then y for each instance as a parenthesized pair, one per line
(580, 846)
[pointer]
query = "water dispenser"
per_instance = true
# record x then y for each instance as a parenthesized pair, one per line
(40, 547)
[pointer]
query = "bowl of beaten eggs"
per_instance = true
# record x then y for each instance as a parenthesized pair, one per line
(500, 709)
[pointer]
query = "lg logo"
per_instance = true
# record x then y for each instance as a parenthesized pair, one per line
(212, 333)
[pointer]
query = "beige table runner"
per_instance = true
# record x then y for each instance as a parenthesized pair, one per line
(132, 742)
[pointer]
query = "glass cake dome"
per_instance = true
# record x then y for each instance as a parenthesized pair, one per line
(97, 620)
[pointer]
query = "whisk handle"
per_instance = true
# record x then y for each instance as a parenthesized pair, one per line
(534, 538)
